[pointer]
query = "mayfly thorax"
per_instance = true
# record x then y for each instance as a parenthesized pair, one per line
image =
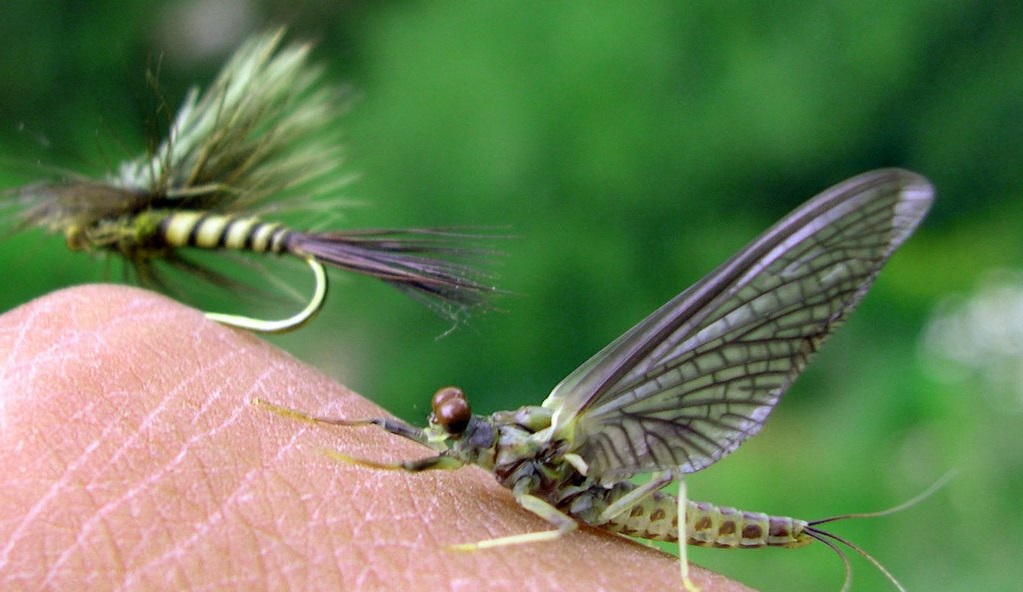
(257, 142)
(685, 386)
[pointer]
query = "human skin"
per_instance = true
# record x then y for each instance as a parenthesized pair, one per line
(132, 457)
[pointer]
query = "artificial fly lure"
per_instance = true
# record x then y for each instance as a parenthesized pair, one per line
(253, 143)
(684, 387)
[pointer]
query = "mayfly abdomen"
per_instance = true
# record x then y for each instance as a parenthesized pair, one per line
(221, 231)
(655, 518)
(708, 525)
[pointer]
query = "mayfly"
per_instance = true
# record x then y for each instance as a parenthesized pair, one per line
(256, 142)
(685, 386)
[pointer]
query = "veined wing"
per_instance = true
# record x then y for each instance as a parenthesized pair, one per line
(700, 375)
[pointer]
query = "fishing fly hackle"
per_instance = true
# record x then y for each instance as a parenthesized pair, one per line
(259, 140)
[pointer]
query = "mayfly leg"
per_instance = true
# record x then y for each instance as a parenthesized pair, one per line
(563, 522)
(639, 495)
(683, 556)
(430, 463)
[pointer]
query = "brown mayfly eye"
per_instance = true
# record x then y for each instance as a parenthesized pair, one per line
(451, 410)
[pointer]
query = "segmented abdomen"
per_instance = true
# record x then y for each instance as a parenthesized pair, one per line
(707, 525)
(220, 231)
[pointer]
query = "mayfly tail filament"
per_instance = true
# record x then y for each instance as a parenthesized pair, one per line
(813, 530)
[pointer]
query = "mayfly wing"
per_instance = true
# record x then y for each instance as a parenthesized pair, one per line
(700, 375)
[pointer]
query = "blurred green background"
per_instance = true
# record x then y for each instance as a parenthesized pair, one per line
(630, 148)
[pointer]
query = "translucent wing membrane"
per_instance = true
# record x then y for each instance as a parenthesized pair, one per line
(692, 381)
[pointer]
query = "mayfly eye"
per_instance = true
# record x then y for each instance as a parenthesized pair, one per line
(451, 410)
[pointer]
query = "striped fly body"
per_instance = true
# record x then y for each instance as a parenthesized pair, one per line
(258, 142)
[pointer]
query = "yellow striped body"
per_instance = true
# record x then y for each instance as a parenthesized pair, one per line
(151, 233)
(220, 231)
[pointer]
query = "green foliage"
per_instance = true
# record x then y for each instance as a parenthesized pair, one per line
(628, 149)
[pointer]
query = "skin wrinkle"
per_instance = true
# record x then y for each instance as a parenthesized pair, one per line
(202, 528)
(370, 571)
(145, 484)
(199, 530)
(424, 503)
(311, 507)
(110, 531)
(56, 487)
(54, 490)
(299, 564)
(100, 516)
(31, 366)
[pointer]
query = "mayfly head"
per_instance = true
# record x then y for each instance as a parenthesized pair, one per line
(471, 439)
(261, 139)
